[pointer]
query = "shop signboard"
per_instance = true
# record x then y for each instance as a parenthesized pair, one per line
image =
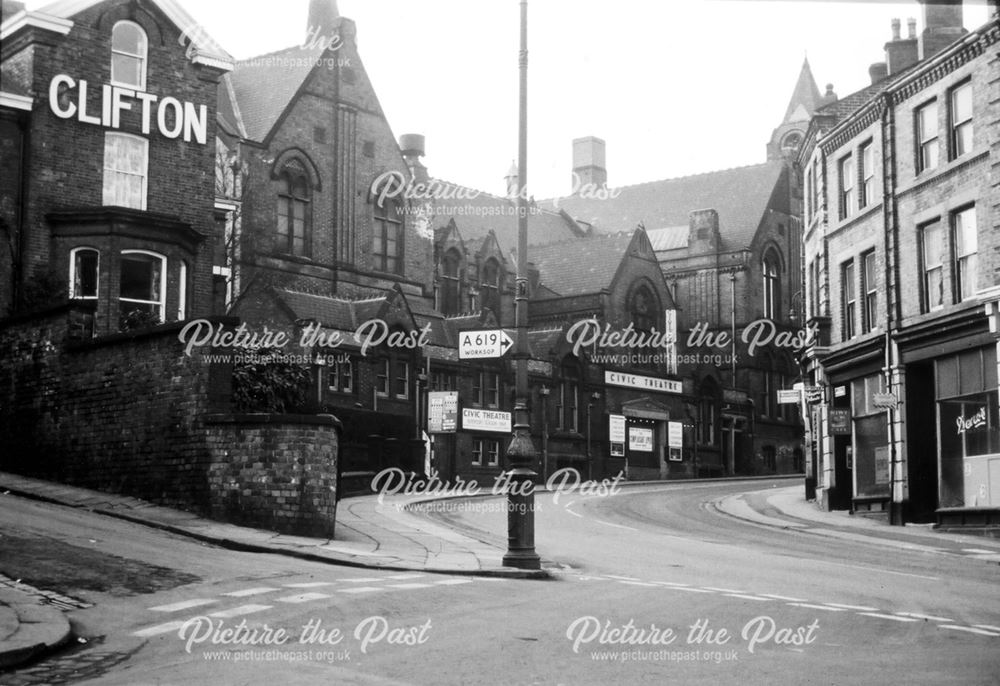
(616, 434)
(442, 412)
(840, 422)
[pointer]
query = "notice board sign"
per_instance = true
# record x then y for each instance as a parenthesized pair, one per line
(640, 439)
(442, 412)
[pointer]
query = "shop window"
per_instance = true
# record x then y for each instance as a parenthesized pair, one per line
(485, 452)
(126, 161)
(294, 211)
(129, 47)
(569, 397)
(387, 241)
(960, 119)
(451, 283)
(869, 289)
(932, 259)
(341, 375)
(490, 285)
(966, 247)
(142, 291)
(772, 285)
(850, 299)
(845, 170)
(927, 136)
(867, 157)
(84, 273)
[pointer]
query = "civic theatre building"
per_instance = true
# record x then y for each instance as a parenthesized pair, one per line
(108, 111)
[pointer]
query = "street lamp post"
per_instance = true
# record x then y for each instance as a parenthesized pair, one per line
(594, 397)
(543, 394)
(521, 451)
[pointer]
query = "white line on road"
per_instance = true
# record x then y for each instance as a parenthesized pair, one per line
(360, 589)
(637, 583)
(409, 586)
(862, 608)
(747, 597)
(366, 580)
(894, 618)
(251, 591)
(453, 582)
(183, 605)
(621, 578)
(978, 550)
(988, 627)
(970, 629)
(303, 598)
(930, 617)
(818, 607)
(241, 610)
(670, 583)
(405, 577)
(723, 590)
(617, 526)
(784, 597)
(310, 584)
(684, 588)
(159, 629)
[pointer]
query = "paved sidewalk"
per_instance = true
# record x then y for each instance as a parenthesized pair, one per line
(786, 508)
(369, 533)
(28, 628)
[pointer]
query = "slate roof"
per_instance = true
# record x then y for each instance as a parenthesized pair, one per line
(669, 238)
(739, 195)
(587, 266)
(476, 212)
(265, 85)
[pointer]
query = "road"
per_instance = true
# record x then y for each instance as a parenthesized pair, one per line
(660, 588)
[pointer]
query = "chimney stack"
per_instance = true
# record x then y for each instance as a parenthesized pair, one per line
(323, 21)
(942, 26)
(588, 162)
(411, 145)
(901, 53)
(878, 72)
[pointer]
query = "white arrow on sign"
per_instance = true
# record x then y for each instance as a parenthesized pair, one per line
(486, 343)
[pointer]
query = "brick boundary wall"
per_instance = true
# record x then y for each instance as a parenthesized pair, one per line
(130, 413)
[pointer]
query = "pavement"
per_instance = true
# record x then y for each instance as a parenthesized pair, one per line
(28, 628)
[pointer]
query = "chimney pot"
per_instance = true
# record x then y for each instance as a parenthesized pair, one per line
(411, 145)
(911, 27)
(895, 29)
(878, 72)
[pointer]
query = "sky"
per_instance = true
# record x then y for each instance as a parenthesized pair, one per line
(674, 87)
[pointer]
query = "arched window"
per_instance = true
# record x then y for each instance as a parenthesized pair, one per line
(790, 143)
(294, 211)
(387, 241)
(129, 47)
(569, 396)
(84, 273)
(142, 287)
(643, 308)
(490, 284)
(451, 282)
(771, 269)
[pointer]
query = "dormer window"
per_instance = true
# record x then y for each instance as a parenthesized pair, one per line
(451, 283)
(489, 286)
(129, 47)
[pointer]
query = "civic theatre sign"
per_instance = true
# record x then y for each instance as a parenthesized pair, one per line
(645, 383)
(172, 118)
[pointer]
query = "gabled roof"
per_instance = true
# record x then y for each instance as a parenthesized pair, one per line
(205, 49)
(739, 195)
(585, 266)
(265, 85)
(476, 213)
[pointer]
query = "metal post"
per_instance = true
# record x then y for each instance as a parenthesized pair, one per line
(521, 451)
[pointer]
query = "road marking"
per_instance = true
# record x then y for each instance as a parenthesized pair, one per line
(784, 597)
(818, 607)
(978, 550)
(366, 580)
(310, 584)
(885, 571)
(183, 605)
(970, 629)
(453, 582)
(617, 526)
(403, 577)
(670, 583)
(303, 598)
(723, 590)
(360, 589)
(894, 618)
(160, 629)
(621, 578)
(987, 557)
(747, 597)
(408, 586)
(684, 588)
(241, 610)
(637, 583)
(930, 617)
(250, 591)
(862, 608)
(988, 627)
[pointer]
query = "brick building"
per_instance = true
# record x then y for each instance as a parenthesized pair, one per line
(902, 251)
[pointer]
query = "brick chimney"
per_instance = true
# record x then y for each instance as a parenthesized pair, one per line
(901, 53)
(703, 231)
(411, 145)
(323, 21)
(942, 26)
(878, 72)
(588, 161)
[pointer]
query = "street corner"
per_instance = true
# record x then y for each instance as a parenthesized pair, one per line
(28, 628)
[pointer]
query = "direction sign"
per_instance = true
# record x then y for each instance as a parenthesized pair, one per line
(485, 343)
